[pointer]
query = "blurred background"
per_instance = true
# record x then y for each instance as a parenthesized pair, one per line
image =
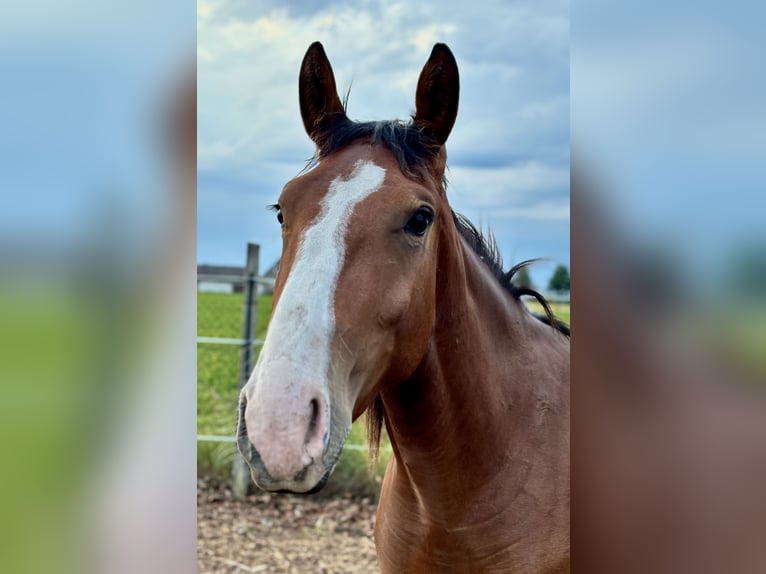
(668, 203)
(97, 316)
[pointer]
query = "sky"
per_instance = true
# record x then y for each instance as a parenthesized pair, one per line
(508, 154)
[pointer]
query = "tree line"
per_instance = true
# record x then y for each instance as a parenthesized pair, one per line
(559, 280)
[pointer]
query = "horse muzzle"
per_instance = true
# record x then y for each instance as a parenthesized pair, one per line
(285, 454)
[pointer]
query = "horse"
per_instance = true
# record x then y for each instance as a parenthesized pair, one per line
(388, 303)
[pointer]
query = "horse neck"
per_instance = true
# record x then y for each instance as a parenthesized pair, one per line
(456, 424)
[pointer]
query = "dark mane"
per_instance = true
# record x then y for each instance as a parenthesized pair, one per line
(486, 249)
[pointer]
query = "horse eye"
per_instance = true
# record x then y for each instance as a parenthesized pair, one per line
(278, 211)
(419, 222)
(275, 207)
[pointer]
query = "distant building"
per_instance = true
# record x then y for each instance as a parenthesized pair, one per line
(220, 278)
(229, 279)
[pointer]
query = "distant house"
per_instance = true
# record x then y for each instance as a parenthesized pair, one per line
(271, 273)
(229, 279)
(220, 278)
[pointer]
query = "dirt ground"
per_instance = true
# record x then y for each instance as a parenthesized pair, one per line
(283, 533)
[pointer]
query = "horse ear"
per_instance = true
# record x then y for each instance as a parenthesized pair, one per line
(437, 94)
(320, 104)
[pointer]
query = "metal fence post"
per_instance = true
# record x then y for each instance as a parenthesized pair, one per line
(240, 472)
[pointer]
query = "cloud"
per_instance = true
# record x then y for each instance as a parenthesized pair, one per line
(519, 187)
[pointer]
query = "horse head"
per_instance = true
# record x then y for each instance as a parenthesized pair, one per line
(355, 297)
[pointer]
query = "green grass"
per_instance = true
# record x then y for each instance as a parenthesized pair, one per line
(49, 352)
(739, 336)
(561, 311)
(220, 315)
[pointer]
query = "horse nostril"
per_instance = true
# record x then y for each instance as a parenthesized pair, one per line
(314, 440)
(314, 418)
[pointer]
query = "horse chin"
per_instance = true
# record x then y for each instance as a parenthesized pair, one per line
(317, 487)
(305, 483)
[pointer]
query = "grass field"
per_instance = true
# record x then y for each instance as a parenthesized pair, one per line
(562, 311)
(220, 315)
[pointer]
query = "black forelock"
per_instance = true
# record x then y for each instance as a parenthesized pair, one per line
(412, 148)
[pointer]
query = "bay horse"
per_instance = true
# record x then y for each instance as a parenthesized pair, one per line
(387, 302)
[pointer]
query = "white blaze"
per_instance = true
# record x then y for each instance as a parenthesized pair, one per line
(304, 321)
